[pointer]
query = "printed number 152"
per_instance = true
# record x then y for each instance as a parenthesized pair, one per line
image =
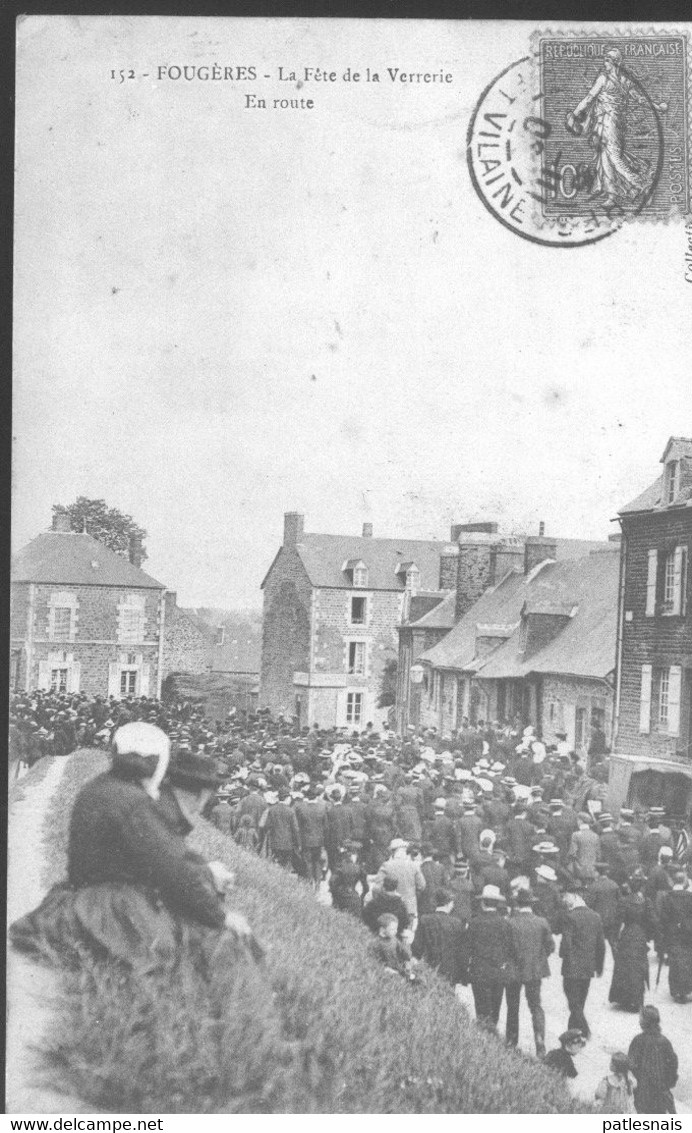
(123, 75)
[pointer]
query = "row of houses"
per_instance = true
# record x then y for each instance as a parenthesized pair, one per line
(577, 637)
(84, 619)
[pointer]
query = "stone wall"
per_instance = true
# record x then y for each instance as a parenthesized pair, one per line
(186, 647)
(286, 627)
(94, 645)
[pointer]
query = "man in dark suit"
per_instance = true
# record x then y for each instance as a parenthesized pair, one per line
(436, 877)
(532, 943)
(441, 833)
(519, 839)
(582, 951)
(280, 831)
(602, 895)
(440, 939)
(311, 813)
(490, 954)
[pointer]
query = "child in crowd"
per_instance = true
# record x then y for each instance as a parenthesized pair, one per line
(562, 1058)
(394, 954)
(246, 835)
(616, 1091)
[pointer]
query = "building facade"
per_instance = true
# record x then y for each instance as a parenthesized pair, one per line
(332, 605)
(654, 675)
(83, 619)
(443, 652)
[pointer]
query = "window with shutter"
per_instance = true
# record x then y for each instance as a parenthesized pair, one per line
(114, 679)
(75, 676)
(673, 714)
(645, 700)
(681, 581)
(356, 657)
(652, 571)
(44, 675)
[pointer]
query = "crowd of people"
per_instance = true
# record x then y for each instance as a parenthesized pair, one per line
(471, 854)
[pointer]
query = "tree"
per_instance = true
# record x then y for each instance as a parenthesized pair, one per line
(388, 683)
(106, 524)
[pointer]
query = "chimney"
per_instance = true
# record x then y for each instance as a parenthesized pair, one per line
(136, 549)
(61, 520)
(293, 528)
(449, 565)
(504, 557)
(484, 528)
(171, 600)
(367, 530)
(475, 563)
(537, 549)
(541, 529)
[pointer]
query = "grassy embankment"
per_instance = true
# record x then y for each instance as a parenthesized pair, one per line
(323, 1029)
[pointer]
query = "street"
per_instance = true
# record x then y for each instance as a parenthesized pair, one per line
(611, 1028)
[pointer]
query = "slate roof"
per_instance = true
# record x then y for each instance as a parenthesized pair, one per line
(499, 605)
(442, 615)
(67, 558)
(324, 555)
(585, 645)
(652, 499)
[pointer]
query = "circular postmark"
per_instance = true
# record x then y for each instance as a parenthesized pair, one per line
(522, 180)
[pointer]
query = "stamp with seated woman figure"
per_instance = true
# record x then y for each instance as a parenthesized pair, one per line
(618, 112)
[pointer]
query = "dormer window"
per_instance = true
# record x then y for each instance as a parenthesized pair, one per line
(672, 480)
(410, 575)
(413, 580)
(357, 570)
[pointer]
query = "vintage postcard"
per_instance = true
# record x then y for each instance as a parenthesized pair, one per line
(351, 629)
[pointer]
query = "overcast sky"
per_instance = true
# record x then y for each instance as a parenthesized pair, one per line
(223, 314)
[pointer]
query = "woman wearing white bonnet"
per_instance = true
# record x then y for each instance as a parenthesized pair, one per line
(134, 893)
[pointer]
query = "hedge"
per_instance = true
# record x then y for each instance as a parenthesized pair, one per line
(323, 1028)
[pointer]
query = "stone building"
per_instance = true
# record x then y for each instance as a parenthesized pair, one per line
(652, 758)
(482, 566)
(83, 619)
(188, 641)
(331, 607)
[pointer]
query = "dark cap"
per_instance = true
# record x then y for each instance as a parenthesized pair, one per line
(193, 772)
(443, 897)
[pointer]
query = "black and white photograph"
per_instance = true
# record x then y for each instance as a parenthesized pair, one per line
(350, 707)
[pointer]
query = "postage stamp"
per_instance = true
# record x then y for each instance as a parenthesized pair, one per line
(617, 109)
(505, 147)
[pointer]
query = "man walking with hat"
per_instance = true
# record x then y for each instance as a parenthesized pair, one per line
(582, 951)
(490, 955)
(532, 943)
